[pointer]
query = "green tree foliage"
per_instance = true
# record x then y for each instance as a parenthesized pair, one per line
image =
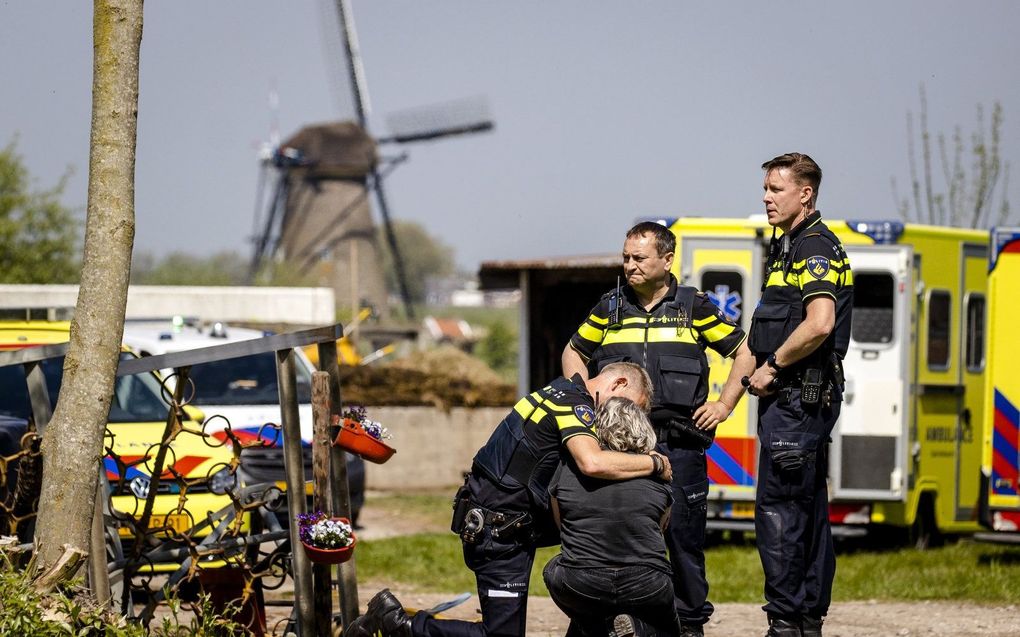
(38, 235)
(969, 197)
(498, 348)
(221, 268)
(425, 257)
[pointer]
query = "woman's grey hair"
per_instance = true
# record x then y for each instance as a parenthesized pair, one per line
(623, 426)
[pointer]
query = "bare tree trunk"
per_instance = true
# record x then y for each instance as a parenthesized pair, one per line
(73, 441)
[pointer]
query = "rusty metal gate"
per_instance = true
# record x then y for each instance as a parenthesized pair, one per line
(164, 523)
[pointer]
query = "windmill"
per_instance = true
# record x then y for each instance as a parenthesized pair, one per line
(318, 215)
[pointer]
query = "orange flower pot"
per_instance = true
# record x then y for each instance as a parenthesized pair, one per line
(353, 438)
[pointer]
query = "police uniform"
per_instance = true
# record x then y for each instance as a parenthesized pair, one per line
(502, 512)
(669, 341)
(794, 423)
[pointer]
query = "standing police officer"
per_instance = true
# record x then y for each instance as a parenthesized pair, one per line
(502, 511)
(665, 327)
(799, 336)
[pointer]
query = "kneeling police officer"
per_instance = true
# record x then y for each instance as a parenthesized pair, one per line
(502, 511)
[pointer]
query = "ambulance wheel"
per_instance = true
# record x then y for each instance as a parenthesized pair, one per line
(924, 533)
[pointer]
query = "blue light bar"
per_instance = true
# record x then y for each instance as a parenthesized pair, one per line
(881, 232)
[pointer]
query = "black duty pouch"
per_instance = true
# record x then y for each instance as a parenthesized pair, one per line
(461, 506)
(683, 433)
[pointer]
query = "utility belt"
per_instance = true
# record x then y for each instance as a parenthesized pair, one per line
(680, 431)
(470, 519)
(817, 382)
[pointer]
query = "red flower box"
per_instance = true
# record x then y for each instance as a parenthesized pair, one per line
(331, 556)
(355, 439)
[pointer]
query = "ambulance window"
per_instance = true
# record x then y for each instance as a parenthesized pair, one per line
(975, 332)
(724, 288)
(938, 329)
(873, 308)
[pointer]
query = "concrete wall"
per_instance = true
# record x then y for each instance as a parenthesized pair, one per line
(307, 306)
(434, 447)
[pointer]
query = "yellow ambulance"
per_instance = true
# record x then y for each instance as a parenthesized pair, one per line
(1000, 503)
(921, 409)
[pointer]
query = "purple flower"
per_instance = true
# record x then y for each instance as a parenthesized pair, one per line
(321, 531)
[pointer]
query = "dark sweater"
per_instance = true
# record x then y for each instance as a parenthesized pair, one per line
(610, 523)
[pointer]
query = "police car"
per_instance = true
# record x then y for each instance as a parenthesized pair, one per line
(241, 393)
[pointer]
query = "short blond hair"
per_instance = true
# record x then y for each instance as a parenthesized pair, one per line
(637, 377)
(623, 426)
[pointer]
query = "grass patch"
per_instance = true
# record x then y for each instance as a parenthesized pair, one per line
(432, 509)
(965, 571)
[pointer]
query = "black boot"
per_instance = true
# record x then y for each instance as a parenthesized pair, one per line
(691, 630)
(393, 621)
(385, 615)
(623, 626)
(783, 628)
(811, 626)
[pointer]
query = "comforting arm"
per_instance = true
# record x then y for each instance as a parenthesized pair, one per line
(596, 462)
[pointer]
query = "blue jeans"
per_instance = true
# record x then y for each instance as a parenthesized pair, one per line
(592, 597)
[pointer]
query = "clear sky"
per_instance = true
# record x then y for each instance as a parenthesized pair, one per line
(604, 111)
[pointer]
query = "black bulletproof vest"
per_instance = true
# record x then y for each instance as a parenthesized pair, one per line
(665, 343)
(781, 308)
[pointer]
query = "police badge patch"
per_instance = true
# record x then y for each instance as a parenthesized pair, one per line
(584, 413)
(818, 266)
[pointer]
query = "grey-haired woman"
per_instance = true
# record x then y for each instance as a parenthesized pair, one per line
(612, 567)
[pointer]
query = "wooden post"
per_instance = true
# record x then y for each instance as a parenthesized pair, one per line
(321, 501)
(293, 465)
(340, 492)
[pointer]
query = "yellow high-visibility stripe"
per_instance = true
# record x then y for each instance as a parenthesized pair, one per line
(538, 415)
(624, 336)
(717, 333)
(651, 335)
(634, 320)
(671, 335)
(833, 263)
(526, 404)
(705, 321)
(590, 333)
(569, 420)
(776, 278)
(523, 407)
(594, 318)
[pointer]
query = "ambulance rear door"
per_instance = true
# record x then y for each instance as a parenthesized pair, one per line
(869, 449)
(1001, 457)
(729, 270)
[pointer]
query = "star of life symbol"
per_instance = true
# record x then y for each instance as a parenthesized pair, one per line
(727, 302)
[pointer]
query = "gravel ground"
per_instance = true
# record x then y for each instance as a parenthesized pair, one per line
(848, 619)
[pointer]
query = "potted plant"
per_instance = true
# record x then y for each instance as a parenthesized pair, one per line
(327, 540)
(360, 435)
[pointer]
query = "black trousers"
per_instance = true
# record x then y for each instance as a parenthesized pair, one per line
(502, 570)
(791, 518)
(593, 597)
(685, 536)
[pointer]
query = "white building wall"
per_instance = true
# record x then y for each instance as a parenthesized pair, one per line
(309, 306)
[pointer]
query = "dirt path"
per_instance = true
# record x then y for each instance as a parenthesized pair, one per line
(848, 619)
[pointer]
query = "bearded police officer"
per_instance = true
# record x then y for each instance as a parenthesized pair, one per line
(502, 511)
(799, 336)
(665, 327)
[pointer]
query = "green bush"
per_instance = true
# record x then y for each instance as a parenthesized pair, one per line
(71, 611)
